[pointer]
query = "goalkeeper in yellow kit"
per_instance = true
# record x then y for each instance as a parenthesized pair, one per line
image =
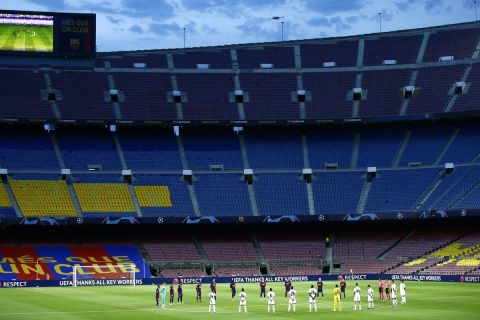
(336, 299)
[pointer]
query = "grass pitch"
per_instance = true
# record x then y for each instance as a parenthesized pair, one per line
(26, 38)
(435, 301)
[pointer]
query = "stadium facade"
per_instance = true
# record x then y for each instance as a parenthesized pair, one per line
(370, 127)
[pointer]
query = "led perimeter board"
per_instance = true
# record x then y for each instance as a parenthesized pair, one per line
(28, 33)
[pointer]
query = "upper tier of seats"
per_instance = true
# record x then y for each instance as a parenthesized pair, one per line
(143, 149)
(174, 85)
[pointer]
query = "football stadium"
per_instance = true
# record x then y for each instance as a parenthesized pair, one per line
(333, 178)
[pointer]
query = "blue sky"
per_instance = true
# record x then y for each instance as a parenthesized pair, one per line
(156, 24)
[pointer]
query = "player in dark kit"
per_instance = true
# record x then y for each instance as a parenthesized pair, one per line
(380, 289)
(288, 286)
(263, 285)
(320, 288)
(157, 294)
(180, 293)
(199, 292)
(213, 286)
(343, 287)
(233, 288)
(172, 295)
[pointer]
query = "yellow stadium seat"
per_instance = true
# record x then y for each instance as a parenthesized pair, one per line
(4, 200)
(43, 198)
(153, 196)
(468, 263)
(104, 197)
(450, 250)
(446, 262)
(415, 262)
(455, 249)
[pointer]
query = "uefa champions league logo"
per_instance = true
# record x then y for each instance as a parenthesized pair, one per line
(79, 220)
(400, 215)
(321, 217)
(463, 212)
(160, 220)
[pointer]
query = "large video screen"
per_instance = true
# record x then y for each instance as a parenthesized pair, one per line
(47, 33)
(26, 32)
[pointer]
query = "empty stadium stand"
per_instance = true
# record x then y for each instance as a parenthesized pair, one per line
(43, 198)
(404, 155)
(26, 148)
(6, 209)
(171, 250)
(94, 147)
(296, 250)
(28, 259)
(223, 249)
(270, 91)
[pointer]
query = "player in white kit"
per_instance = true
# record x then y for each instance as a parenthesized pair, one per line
(271, 300)
(312, 298)
(243, 301)
(403, 292)
(370, 293)
(356, 297)
(213, 300)
(394, 294)
(292, 300)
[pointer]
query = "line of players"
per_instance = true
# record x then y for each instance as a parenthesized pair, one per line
(290, 293)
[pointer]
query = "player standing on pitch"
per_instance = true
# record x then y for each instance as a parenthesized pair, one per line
(337, 302)
(292, 302)
(180, 293)
(288, 286)
(233, 288)
(163, 295)
(172, 295)
(343, 287)
(356, 297)
(157, 294)
(271, 300)
(198, 289)
(370, 294)
(312, 298)
(387, 289)
(320, 288)
(213, 300)
(403, 292)
(380, 289)
(394, 294)
(213, 286)
(263, 286)
(243, 301)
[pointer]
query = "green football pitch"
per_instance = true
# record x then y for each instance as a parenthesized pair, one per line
(434, 301)
(26, 38)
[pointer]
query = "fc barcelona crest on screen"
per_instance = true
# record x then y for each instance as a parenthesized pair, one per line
(75, 44)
